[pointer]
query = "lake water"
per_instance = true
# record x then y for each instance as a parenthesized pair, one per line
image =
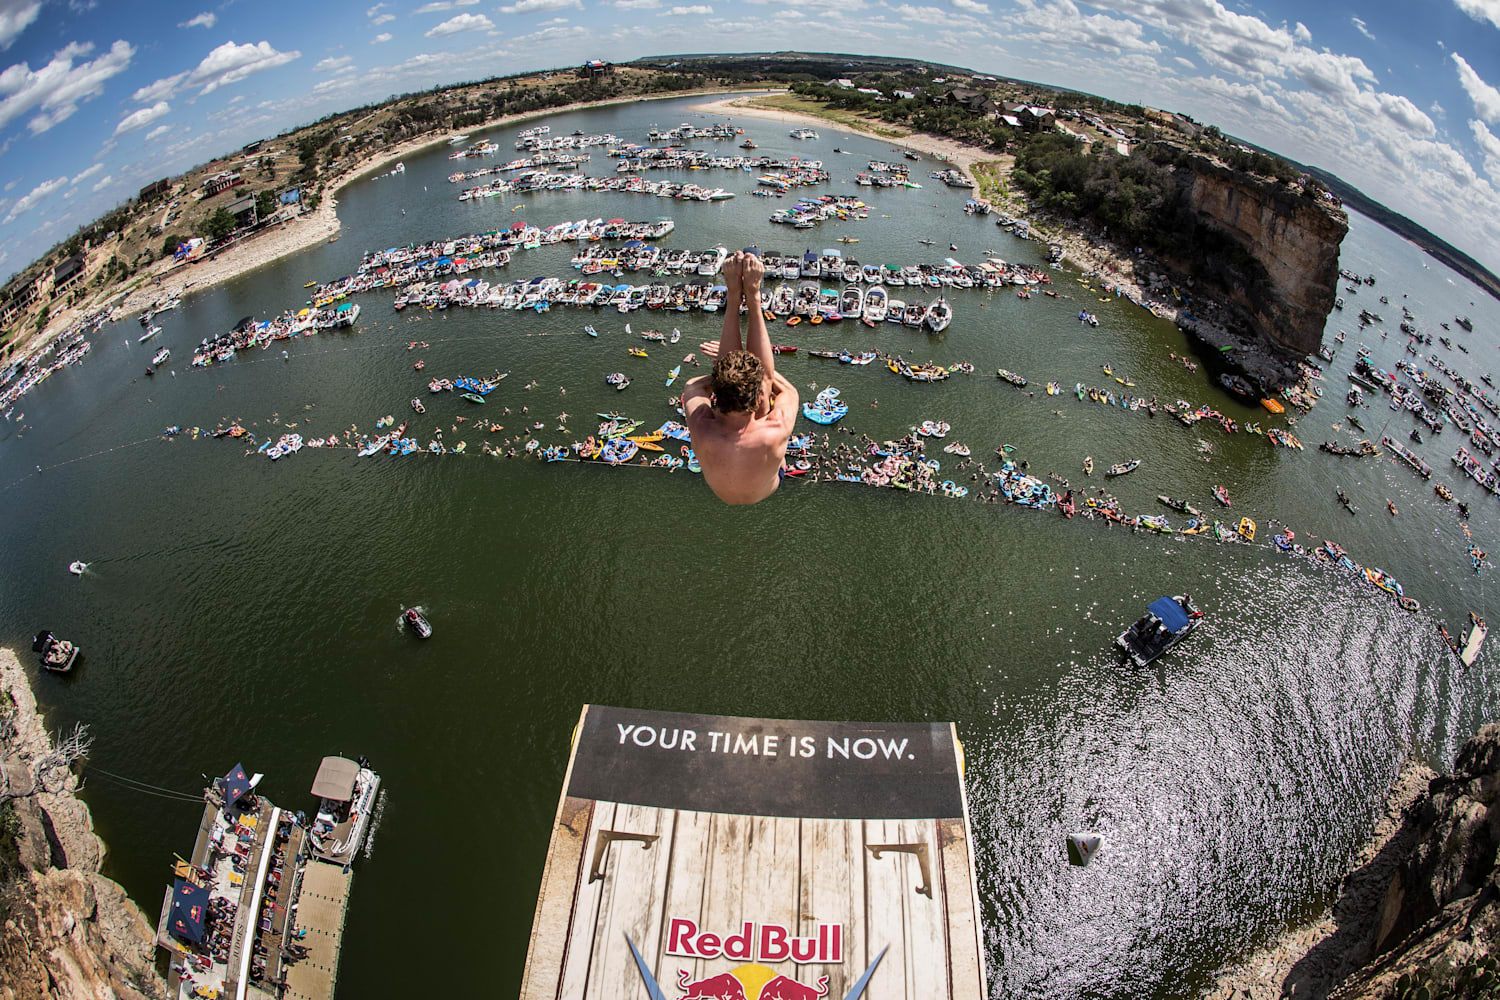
(237, 609)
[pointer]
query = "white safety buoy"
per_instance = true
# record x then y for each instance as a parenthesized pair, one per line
(1082, 847)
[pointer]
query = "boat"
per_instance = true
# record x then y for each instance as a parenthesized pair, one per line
(58, 655)
(1222, 495)
(148, 335)
(161, 356)
(77, 567)
(1247, 529)
(672, 375)
(1088, 465)
(783, 349)
(876, 302)
(417, 623)
(471, 397)
(1464, 322)
(347, 794)
(1167, 621)
(1472, 642)
(939, 315)
(1237, 385)
(1121, 468)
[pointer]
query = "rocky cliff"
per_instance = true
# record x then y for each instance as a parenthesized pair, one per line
(1270, 274)
(1418, 918)
(66, 932)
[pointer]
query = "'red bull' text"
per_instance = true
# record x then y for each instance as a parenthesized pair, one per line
(758, 943)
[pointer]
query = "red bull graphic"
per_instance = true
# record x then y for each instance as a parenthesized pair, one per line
(750, 981)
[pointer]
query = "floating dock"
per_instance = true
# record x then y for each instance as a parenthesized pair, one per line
(258, 912)
(696, 857)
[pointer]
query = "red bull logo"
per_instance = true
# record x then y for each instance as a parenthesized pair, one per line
(758, 943)
(751, 981)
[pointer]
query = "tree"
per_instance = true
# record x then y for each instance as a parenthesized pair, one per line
(219, 225)
(265, 204)
(44, 767)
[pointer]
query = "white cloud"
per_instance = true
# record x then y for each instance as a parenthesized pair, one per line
(1485, 97)
(534, 6)
(15, 16)
(557, 33)
(553, 20)
(1489, 145)
(972, 6)
(1359, 25)
(227, 64)
(91, 171)
(1062, 24)
(1301, 33)
(695, 10)
(1481, 10)
(384, 36)
(463, 22)
(104, 182)
(441, 5)
(332, 63)
(28, 201)
(380, 19)
(1407, 115)
(207, 19)
(59, 86)
(142, 117)
(158, 132)
(1185, 63)
(637, 4)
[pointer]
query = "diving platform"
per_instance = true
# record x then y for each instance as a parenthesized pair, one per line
(712, 856)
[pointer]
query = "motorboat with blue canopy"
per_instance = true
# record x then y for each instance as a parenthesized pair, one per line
(1167, 621)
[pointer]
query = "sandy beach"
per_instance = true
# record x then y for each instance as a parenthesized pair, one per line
(958, 154)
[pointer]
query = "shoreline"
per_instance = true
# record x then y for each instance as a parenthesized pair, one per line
(1263, 974)
(951, 151)
(1093, 255)
(297, 234)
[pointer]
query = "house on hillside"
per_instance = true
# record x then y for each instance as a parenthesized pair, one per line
(1031, 117)
(974, 101)
(67, 274)
(243, 210)
(222, 181)
(594, 68)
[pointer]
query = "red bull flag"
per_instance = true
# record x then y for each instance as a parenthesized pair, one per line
(701, 857)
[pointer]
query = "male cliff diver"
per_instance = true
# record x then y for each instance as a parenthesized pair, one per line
(741, 415)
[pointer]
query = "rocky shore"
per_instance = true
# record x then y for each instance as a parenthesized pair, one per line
(66, 931)
(1420, 909)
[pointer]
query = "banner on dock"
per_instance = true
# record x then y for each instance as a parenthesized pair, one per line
(700, 856)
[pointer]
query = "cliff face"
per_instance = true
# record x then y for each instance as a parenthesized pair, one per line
(68, 933)
(1421, 912)
(1271, 285)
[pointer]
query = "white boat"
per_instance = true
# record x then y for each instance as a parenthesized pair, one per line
(148, 335)
(939, 315)
(895, 309)
(76, 567)
(347, 792)
(161, 356)
(852, 302)
(914, 316)
(876, 304)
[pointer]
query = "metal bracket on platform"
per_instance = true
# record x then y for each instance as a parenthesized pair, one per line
(606, 837)
(920, 850)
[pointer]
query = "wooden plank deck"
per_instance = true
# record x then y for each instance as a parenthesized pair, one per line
(321, 906)
(838, 874)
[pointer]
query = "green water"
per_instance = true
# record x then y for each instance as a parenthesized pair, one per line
(237, 609)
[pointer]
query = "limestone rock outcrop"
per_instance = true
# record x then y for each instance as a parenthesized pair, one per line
(1270, 283)
(66, 932)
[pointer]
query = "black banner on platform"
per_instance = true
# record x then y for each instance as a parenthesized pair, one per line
(767, 767)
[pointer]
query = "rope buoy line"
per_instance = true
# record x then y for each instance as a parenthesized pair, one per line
(80, 458)
(142, 786)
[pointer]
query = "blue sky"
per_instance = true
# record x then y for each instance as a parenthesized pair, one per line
(99, 98)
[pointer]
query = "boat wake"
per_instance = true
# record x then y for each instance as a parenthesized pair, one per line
(375, 818)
